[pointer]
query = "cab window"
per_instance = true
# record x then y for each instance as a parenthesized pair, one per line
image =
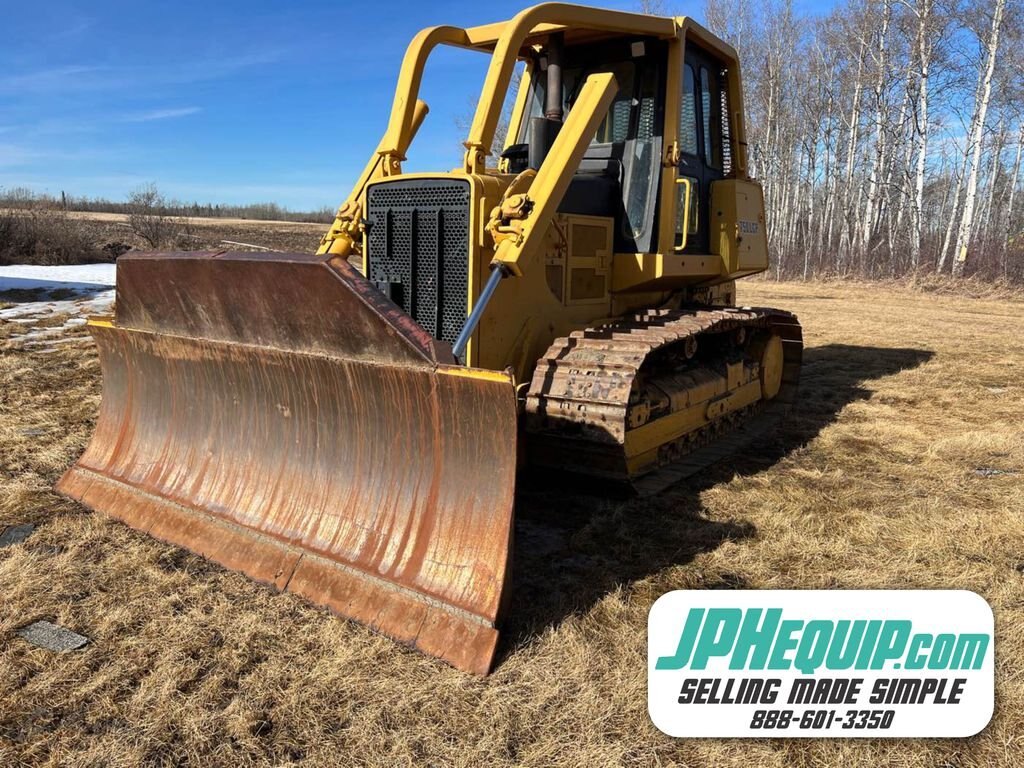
(688, 114)
(711, 102)
(643, 175)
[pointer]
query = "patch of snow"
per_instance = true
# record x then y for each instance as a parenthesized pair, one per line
(85, 278)
(91, 286)
(95, 304)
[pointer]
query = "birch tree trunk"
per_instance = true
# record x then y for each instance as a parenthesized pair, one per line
(924, 55)
(954, 209)
(846, 233)
(1014, 181)
(966, 229)
(996, 151)
(870, 211)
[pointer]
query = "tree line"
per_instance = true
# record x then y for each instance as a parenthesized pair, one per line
(20, 198)
(888, 134)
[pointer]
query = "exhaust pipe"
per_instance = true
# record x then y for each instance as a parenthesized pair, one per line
(553, 102)
(544, 130)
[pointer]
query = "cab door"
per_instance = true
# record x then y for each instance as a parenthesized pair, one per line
(702, 155)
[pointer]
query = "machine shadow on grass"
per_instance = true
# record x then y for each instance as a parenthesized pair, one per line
(572, 547)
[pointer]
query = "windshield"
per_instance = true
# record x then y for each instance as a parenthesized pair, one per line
(614, 127)
(630, 134)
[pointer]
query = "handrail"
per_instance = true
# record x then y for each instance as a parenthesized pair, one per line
(396, 138)
(506, 52)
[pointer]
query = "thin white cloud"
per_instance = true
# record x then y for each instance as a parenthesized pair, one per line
(46, 79)
(88, 123)
(80, 77)
(161, 114)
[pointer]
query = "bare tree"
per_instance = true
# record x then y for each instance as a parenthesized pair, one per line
(1013, 183)
(148, 216)
(927, 33)
(870, 212)
(653, 7)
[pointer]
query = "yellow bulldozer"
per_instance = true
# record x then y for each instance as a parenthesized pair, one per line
(349, 425)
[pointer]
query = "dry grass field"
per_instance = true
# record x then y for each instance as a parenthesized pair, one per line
(903, 467)
(212, 232)
(42, 236)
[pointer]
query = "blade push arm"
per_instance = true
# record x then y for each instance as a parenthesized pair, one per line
(519, 223)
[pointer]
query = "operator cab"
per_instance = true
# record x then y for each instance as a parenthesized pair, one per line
(620, 174)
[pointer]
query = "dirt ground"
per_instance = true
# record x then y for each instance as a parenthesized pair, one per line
(901, 468)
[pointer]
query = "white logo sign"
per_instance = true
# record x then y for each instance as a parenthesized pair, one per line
(817, 663)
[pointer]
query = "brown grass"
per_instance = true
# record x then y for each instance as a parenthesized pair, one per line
(44, 236)
(37, 236)
(197, 233)
(872, 483)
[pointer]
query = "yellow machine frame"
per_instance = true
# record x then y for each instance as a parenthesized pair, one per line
(514, 220)
(355, 438)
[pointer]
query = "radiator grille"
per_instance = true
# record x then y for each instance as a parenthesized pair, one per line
(418, 249)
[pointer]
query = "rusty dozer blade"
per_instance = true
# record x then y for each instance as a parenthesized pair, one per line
(278, 415)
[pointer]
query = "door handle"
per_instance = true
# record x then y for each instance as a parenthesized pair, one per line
(686, 211)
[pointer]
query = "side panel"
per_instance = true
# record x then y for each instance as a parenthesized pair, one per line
(737, 226)
(644, 272)
(564, 287)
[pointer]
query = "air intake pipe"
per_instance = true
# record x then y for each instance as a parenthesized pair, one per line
(553, 102)
(543, 130)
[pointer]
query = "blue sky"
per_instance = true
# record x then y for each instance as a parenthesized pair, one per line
(223, 101)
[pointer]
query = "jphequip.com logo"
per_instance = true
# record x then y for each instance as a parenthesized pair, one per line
(820, 663)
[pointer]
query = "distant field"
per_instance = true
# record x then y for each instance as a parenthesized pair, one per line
(902, 467)
(210, 232)
(205, 221)
(102, 236)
